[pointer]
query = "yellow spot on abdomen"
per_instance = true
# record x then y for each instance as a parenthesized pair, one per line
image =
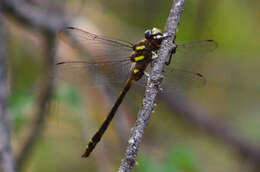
(139, 58)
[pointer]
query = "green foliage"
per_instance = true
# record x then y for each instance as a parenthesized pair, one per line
(179, 159)
(20, 104)
(68, 94)
(25, 67)
(145, 164)
(139, 13)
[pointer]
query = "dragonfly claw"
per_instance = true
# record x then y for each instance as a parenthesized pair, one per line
(148, 77)
(154, 55)
(147, 74)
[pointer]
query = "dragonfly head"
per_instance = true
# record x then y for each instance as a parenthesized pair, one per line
(155, 34)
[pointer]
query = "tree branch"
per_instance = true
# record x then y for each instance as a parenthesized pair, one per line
(33, 16)
(45, 95)
(7, 159)
(48, 22)
(152, 88)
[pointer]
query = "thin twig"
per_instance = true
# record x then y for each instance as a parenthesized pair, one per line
(152, 88)
(45, 95)
(204, 120)
(7, 159)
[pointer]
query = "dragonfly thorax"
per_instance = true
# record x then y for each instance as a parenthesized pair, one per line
(143, 51)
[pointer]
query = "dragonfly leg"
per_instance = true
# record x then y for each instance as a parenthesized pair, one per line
(155, 55)
(165, 35)
(146, 74)
(148, 77)
(173, 51)
(132, 66)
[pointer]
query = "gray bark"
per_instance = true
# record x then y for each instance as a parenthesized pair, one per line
(153, 88)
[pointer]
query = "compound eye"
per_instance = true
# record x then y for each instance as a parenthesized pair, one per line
(148, 34)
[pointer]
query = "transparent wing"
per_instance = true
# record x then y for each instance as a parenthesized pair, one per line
(95, 46)
(98, 73)
(95, 72)
(182, 72)
(182, 79)
(192, 53)
(96, 55)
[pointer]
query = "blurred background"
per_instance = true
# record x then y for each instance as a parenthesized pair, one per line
(175, 140)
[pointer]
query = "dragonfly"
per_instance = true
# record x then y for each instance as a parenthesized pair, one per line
(106, 51)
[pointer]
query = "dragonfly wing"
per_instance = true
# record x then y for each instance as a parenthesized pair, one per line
(95, 55)
(192, 53)
(95, 47)
(116, 72)
(187, 59)
(182, 79)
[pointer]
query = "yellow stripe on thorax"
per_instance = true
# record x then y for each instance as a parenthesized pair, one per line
(140, 47)
(136, 71)
(90, 141)
(139, 58)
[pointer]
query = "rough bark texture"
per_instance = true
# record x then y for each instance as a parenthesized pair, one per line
(153, 88)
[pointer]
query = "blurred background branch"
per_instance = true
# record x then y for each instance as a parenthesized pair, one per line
(43, 108)
(7, 159)
(49, 23)
(202, 119)
(34, 16)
